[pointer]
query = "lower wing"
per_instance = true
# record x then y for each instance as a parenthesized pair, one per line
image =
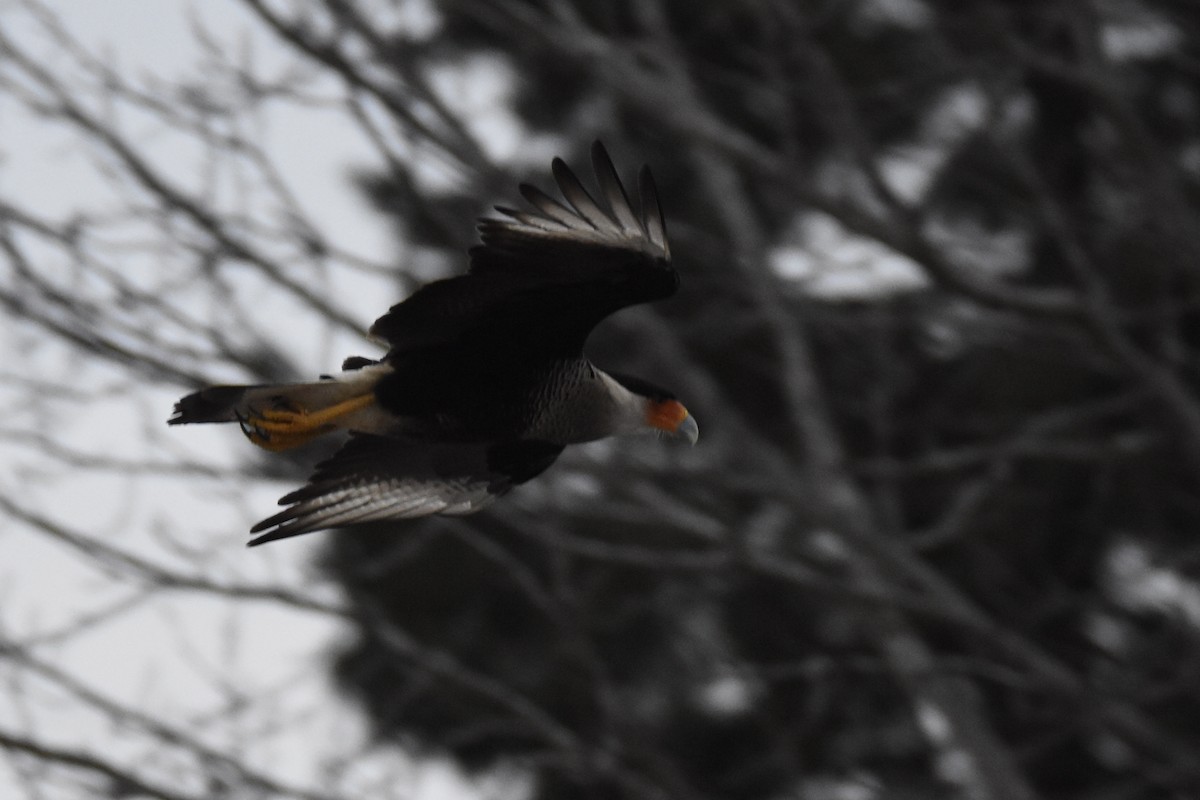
(379, 478)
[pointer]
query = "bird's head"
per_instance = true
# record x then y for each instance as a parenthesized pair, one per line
(660, 411)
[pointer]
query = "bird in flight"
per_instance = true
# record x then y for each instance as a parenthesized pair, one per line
(485, 381)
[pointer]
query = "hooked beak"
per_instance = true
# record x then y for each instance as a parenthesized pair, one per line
(670, 418)
(688, 429)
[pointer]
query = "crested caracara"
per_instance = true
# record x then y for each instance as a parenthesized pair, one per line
(485, 381)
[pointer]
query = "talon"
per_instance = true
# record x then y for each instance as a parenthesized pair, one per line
(270, 420)
(258, 435)
(250, 431)
(281, 428)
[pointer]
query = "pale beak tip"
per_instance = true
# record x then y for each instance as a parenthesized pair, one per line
(688, 429)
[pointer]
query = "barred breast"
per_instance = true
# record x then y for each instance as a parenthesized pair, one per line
(578, 402)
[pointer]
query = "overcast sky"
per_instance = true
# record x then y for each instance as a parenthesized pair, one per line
(162, 656)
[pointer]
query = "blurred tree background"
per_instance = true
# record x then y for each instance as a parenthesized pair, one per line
(938, 325)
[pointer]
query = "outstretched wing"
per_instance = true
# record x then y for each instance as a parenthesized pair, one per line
(378, 478)
(580, 238)
(553, 271)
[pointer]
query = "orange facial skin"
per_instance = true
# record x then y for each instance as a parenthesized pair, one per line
(670, 417)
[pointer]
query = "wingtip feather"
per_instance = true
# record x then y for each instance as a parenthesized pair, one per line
(654, 220)
(612, 188)
(581, 200)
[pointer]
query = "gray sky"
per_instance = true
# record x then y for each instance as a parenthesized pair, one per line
(178, 656)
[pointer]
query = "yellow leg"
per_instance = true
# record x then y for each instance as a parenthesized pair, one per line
(280, 429)
(276, 442)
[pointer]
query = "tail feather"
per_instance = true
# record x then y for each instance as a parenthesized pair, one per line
(214, 404)
(236, 403)
(231, 403)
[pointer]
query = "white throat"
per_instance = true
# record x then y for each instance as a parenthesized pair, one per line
(627, 411)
